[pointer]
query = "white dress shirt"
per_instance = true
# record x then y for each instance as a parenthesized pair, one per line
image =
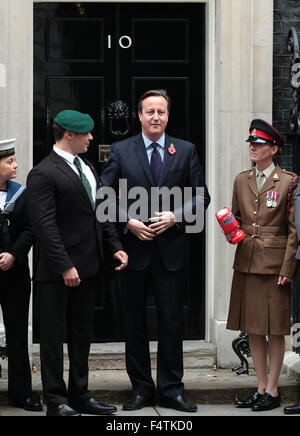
(267, 172)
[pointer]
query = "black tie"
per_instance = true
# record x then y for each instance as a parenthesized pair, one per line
(156, 164)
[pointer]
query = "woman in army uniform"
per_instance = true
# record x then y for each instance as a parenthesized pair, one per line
(264, 265)
(16, 239)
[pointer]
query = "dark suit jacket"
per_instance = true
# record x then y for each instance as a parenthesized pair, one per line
(128, 160)
(64, 223)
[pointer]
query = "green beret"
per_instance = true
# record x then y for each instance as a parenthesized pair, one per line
(74, 121)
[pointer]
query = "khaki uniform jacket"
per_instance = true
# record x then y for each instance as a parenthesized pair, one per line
(271, 239)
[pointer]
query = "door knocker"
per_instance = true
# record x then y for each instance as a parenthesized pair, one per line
(118, 114)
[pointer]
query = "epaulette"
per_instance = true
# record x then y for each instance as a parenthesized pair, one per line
(247, 171)
(288, 173)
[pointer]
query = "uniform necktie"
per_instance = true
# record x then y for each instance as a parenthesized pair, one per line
(260, 180)
(84, 180)
(156, 164)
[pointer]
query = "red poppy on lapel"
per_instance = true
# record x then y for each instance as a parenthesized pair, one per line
(172, 149)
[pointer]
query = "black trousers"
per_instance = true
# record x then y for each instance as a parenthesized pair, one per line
(169, 296)
(14, 300)
(65, 315)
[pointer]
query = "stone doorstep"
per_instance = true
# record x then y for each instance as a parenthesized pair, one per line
(202, 385)
(197, 354)
(292, 365)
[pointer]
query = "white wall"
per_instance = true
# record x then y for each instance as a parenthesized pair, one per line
(244, 64)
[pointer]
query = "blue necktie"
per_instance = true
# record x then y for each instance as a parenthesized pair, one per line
(156, 164)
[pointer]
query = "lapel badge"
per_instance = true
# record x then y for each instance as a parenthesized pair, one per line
(275, 177)
(172, 149)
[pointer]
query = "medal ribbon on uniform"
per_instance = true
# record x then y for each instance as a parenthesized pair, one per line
(275, 198)
(269, 199)
(272, 198)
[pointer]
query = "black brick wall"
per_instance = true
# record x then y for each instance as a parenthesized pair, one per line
(286, 15)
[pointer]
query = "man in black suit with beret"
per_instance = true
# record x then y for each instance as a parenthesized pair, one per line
(155, 248)
(62, 202)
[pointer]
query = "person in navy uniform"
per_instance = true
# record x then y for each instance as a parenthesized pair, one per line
(69, 257)
(156, 249)
(16, 240)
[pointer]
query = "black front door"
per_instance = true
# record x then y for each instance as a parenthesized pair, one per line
(99, 58)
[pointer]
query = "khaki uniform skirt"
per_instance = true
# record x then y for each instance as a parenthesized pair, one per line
(258, 305)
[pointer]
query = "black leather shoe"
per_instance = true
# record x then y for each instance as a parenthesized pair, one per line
(292, 410)
(62, 410)
(177, 403)
(138, 402)
(267, 402)
(92, 407)
(249, 402)
(31, 404)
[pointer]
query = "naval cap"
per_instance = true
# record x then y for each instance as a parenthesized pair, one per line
(74, 121)
(7, 147)
(262, 132)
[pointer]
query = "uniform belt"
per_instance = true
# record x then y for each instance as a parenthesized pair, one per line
(255, 230)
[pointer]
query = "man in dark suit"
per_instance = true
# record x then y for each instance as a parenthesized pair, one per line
(62, 201)
(155, 248)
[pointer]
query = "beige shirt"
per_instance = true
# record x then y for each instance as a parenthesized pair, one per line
(267, 172)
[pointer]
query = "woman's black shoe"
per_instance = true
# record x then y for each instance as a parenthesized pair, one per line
(247, 404)
(267, 402)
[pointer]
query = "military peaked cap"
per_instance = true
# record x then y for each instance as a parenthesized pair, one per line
(262, 132)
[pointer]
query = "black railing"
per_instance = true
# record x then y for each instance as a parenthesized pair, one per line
(3, 356)
(241, 348)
